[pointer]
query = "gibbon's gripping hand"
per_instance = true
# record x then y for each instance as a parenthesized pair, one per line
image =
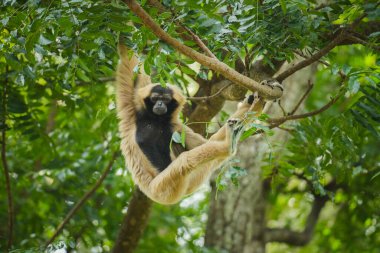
(272, 83)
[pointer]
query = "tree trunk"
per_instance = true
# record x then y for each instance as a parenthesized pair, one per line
(134, 223)
(237, 219)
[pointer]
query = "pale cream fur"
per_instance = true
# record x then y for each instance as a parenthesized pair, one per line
(187, 171)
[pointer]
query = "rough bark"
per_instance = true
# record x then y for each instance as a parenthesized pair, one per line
(134, 223)
(237, 217)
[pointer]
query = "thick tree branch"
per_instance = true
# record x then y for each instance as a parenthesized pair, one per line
(84, 198)
(298, 238)
(206, 111)
(209, 62)
(134, 223)
(315, 57)
(5, 162)
(182, 30)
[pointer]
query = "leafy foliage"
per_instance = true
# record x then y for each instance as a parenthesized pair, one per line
(335, 155)
(58, 113)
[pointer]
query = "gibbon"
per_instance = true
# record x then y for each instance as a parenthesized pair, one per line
(149, 115)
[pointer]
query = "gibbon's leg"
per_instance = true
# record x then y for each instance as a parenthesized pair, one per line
(193, 139)
(252, 103)
(198, 177)
(171, 184)
(126, 89)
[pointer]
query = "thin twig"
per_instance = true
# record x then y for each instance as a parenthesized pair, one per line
(210, 97)
(5, 163)
(281, 107)
(362, 42)
(84, 198)
(315, 57)
(309, 88)
(305, 57)
(99, 80)
(289, 130)
(199, 42)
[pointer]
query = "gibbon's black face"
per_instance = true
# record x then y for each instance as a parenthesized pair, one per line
(161, 101)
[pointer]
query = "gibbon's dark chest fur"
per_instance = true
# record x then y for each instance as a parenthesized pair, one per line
(153, 136)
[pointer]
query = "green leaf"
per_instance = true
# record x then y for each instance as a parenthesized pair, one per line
(248, 133)
(370, 111)
(353, 85)
(183, 137)
(176, 137)
(147, 67)
(283, 6)
(346, 69)
(4, 21)
(364, 122)
(188, 70)
(81, 74)
(376, 175)
(31, 40)
(44, 41)
(208, 23)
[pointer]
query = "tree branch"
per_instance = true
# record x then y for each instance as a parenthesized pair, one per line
(298, 238)
(278, 121)
(200, 43)
(315, 57)
(210, 97)
(84, 198)
(309, 88)
(5, 162)
(209, 62)
(134, 223)
(357, 40)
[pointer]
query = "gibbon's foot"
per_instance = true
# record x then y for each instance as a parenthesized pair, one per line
(235, 128)
(250, 99)
(273, 84)
(235, 125)
(233, 122)
(253, 97)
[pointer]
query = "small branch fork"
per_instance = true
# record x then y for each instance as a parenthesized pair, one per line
(84, 198)
(278, 121)
(302, 238)
(298, 238)
(207, 61)
(5, 163)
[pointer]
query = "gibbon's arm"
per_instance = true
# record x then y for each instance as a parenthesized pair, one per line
(192, 168)
(251, 104)
(126, 84)
(194, 139)
(198, 177)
